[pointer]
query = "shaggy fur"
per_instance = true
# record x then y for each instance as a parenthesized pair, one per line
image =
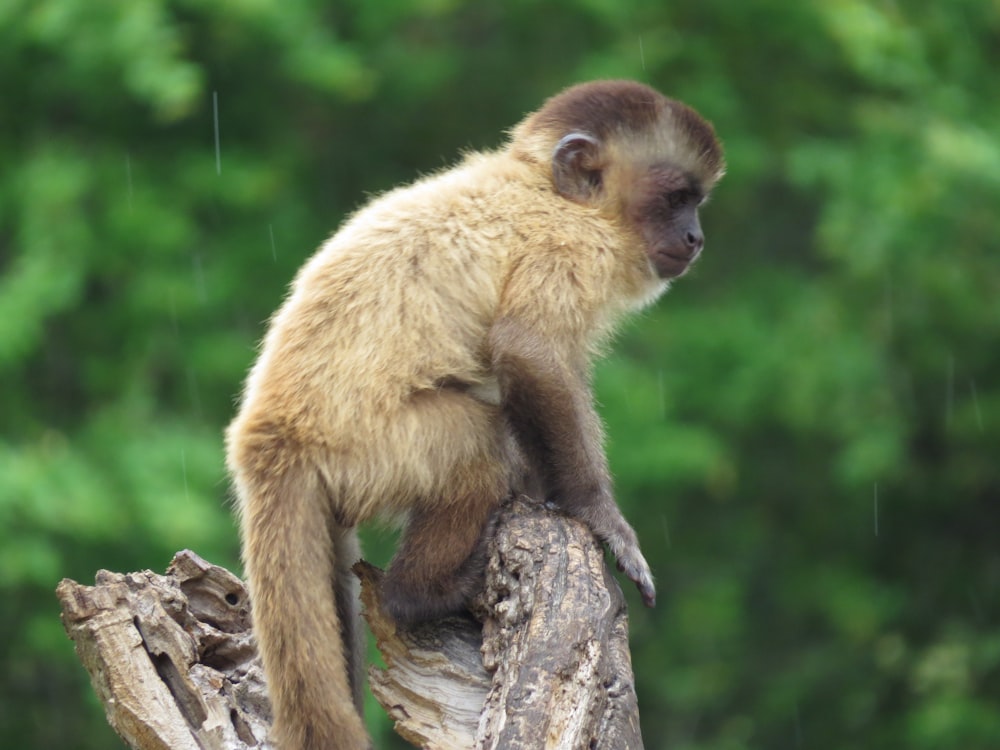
(433, 355)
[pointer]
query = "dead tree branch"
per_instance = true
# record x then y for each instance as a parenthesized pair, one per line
(545, 664)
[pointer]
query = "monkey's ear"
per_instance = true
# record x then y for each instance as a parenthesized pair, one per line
(576, 167)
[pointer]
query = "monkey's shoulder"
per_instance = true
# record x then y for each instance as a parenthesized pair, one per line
(488, 197)
(459, 237)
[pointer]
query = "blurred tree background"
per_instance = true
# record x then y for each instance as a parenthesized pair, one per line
(806, 431)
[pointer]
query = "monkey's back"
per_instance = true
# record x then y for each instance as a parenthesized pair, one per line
(398, 298)
(386, 318)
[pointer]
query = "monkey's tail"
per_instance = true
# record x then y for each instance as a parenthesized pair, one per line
(304, 609)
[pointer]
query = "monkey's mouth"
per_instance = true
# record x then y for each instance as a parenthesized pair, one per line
(673, 264)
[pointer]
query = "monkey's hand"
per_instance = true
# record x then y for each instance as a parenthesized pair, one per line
(634, 565)
(624, 545)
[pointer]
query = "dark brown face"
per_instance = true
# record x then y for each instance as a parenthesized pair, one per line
(634, 153)
(665, 212)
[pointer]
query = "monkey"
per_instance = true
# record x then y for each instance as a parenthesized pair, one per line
(433, 356)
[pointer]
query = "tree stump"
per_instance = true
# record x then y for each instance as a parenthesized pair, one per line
(544, 663)
(172, 657)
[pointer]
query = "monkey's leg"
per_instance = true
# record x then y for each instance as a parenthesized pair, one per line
(439, 565)
(346, 590)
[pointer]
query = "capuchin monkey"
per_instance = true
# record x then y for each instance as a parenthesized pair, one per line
(434, 356)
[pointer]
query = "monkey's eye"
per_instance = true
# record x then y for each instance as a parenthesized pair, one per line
(679, 198)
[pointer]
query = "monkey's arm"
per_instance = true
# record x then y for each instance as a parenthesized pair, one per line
(547, 401)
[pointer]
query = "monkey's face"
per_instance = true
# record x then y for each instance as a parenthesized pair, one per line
(655, 179)
(664, 210)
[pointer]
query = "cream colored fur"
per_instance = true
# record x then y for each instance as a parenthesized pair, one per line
(374, 394)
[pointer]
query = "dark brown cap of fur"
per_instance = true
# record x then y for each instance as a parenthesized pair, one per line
(603, 108)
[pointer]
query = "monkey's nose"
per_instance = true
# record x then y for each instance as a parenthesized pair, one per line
(695, 241)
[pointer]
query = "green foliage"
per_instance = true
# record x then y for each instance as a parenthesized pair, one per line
(804, 431)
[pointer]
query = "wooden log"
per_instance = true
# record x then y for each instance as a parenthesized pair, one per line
(172, 656)
(544, 663)
(555, 637)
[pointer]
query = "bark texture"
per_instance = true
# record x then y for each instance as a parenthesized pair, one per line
(555, 637)
(172, 656)
(544, 663)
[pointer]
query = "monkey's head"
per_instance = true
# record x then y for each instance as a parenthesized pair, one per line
(634, 155)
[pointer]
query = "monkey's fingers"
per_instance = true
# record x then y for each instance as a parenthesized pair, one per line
(634, 565)
(624, 545)
(648, 594)
(646, 588)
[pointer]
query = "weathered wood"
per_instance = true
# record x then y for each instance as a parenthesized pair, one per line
(173, 661)
(554, 642)
(171, 657)
(434, 684)
(555, 636)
